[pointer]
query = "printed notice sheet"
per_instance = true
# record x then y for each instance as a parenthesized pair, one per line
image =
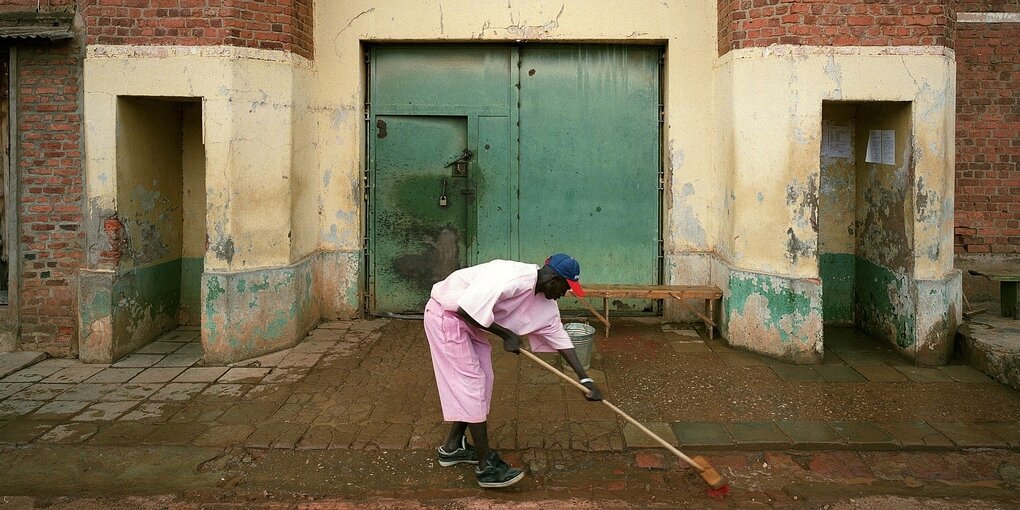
(881, 147)
(836, 141)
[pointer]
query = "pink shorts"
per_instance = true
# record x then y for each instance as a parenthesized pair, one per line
(462, 360)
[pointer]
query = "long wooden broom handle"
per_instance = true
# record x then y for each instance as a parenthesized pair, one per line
(617, 410)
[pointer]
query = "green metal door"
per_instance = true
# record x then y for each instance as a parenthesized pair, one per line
(589, 160)
(420, 208)
(564, 150)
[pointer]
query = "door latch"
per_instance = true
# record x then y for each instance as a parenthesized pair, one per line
(460, 165)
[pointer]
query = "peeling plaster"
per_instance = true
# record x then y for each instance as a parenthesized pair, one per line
(687, 225)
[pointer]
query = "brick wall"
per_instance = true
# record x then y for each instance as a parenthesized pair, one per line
(987, 133)
(267, 24)
(49, 149)
(753, 23)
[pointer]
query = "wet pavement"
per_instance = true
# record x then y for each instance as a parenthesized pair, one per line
(352, 414)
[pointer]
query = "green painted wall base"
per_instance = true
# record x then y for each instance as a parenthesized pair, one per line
(251, 313)
(776, 316)
(837, 271)
(119, 312)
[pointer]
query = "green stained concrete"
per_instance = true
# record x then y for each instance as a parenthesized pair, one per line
(884, 303)
(787, 307)
(191, 289)
(837, 272)
(256, 312)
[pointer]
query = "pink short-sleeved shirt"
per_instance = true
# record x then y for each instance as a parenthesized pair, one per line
(503, 291)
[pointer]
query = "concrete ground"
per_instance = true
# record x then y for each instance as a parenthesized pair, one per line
(351, 417)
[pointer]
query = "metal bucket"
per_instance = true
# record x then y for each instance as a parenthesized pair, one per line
(583, 338)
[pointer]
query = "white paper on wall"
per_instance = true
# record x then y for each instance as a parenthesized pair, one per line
(836, 141)
(881, 147)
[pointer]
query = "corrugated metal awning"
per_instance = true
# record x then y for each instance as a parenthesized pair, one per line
(36, 25)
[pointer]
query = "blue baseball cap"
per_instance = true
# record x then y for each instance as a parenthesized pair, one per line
(567, 267)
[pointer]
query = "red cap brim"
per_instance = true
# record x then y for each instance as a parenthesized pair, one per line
(575, 287)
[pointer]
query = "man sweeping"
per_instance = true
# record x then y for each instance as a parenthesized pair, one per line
(509, 299)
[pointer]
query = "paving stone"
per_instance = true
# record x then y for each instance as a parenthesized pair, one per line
(284, 375)
(279, 434)
(151, 412)
(595, 436)
(314, 346)
(138, 361)
(191, 348)
(201, 374)
(811, 434)
(157, 375)
(11, 408)
(862, 434)
(299, 360)
(840, 465)
(41, 391)
(839, 373)
(244, 375)
(225, 435)
(873, 358)
(916, 435)
(226, 391)
(969, 435)
(635, 438)
(88, 392)
(24, 431)
(964, 374)
(397, 435)
(176, 434)
(880, 373)
(158, 347)
(179, 360)
(104, 411)
(199, 410)
(8, 389)
(796, 373)
(923, 374)
(114, 375)
(120, 433)
(59, 409)
(11, 362)
(69, 433)
(648, 460)
(33, 373)
(317, 437)
(266, 361)
(1007, 431)
(177, 392)
(702, 434)
(180, 336)
(335, 325)
(131, 391)
(74, 374)
(689, 347)
(757, 434)
(57, 362)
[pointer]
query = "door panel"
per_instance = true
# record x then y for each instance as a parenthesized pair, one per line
(589, 160)
(416, 241)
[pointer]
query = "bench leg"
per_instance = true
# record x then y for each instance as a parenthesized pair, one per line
(1010, 299)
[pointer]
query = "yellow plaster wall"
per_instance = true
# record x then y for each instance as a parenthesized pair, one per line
(193, 169)
(687, 29)
(149, 171)
(247, 128)
(775, 115)
(837, 185)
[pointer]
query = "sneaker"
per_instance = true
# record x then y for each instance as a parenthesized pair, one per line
(497, 473)
(466, 453)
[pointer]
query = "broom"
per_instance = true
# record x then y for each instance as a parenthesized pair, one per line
(717, 486)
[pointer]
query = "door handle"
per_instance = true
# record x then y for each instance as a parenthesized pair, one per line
(460, 165)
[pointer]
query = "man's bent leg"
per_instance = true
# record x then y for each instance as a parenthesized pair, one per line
(491, 471)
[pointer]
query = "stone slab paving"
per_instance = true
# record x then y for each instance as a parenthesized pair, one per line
(369, 385)
(11, 362)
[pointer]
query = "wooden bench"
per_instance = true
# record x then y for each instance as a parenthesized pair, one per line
(1008, 296)
(710, 294)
